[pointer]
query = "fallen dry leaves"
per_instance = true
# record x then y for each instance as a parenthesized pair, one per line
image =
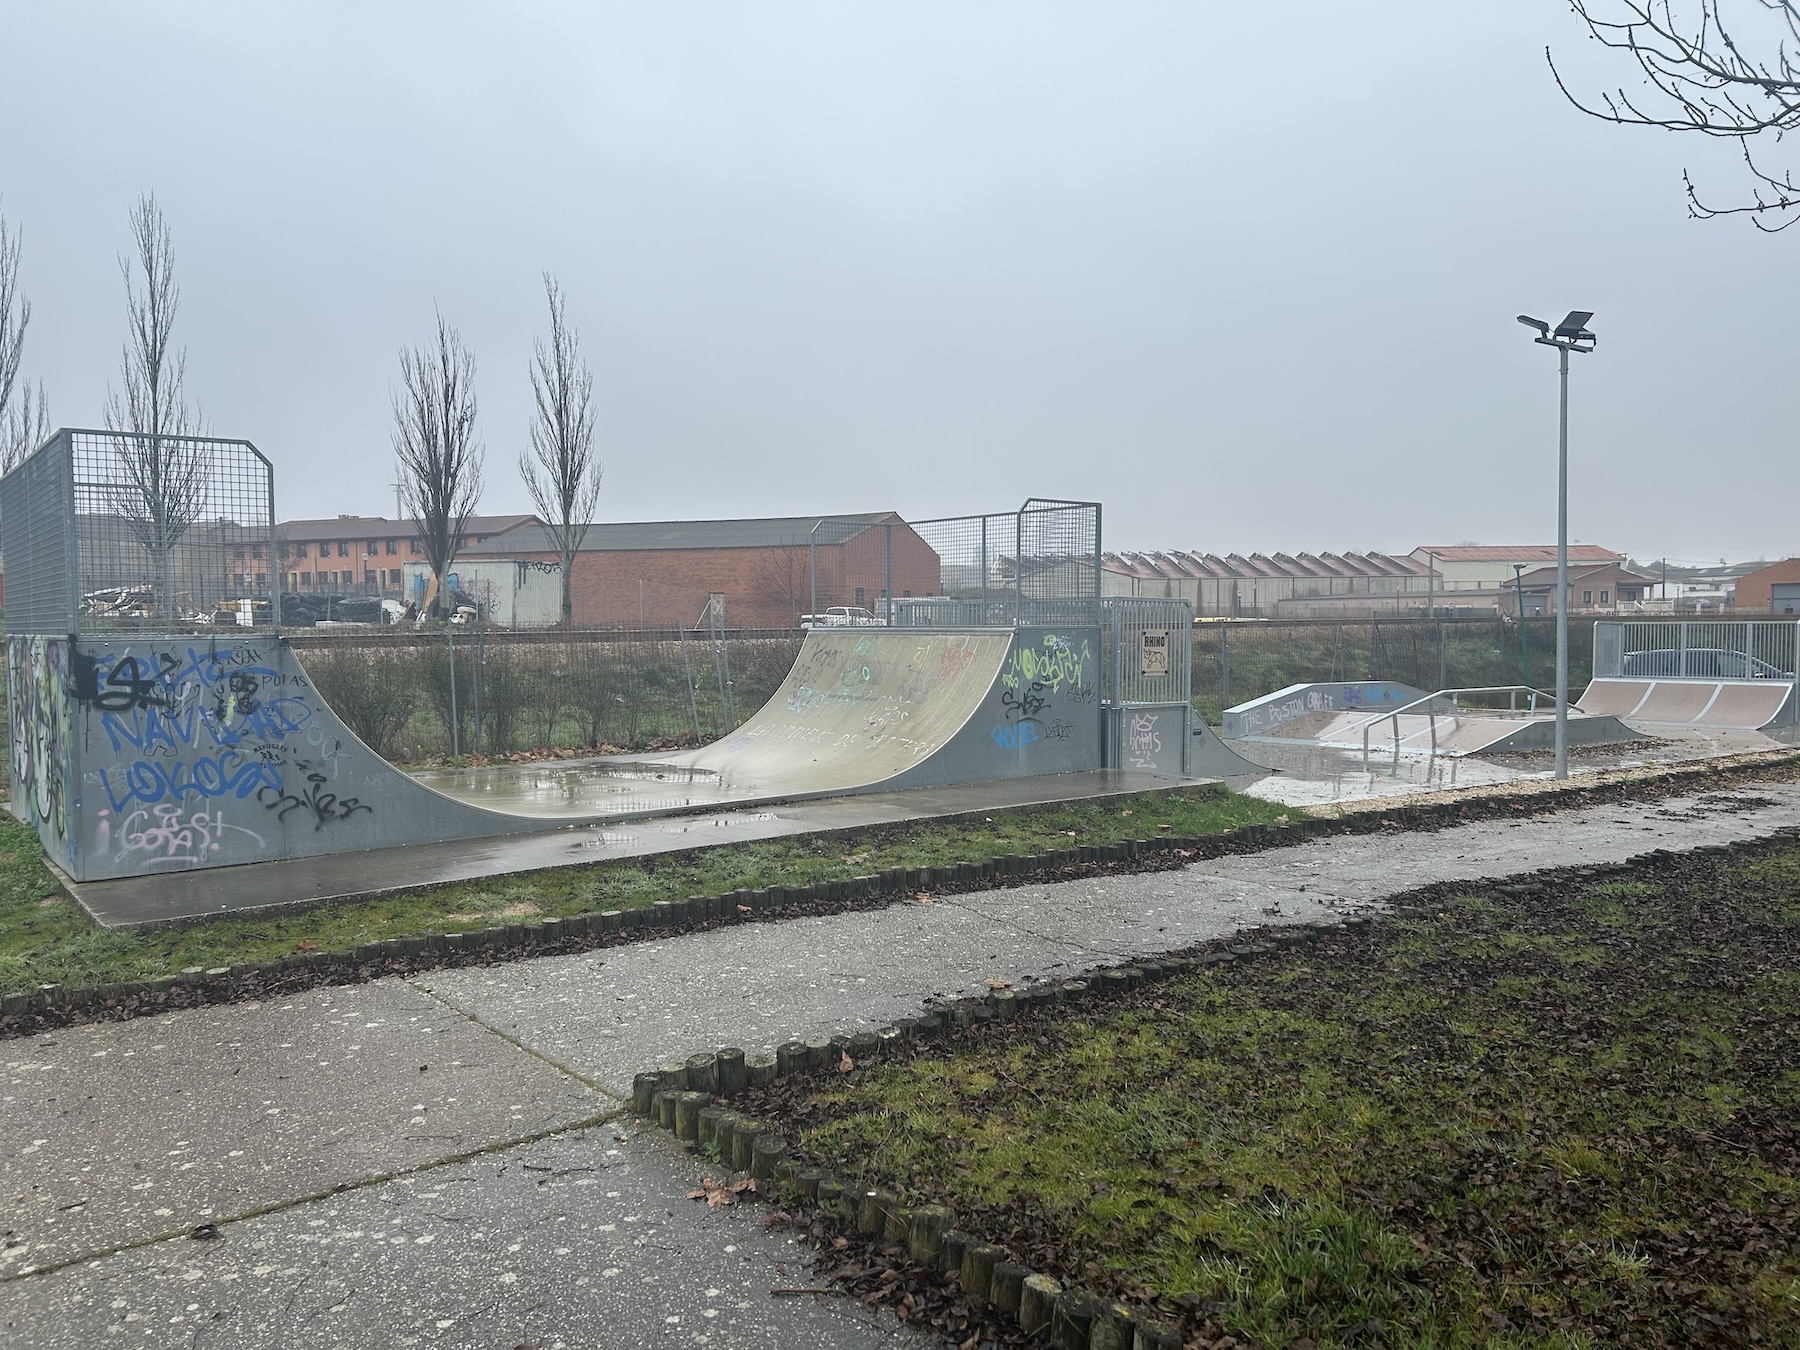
(717, 1195)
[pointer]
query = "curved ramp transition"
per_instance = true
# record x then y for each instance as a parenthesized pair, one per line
(158, 754)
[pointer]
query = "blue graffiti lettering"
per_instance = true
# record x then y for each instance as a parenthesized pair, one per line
(1015, 736)
(152, 781)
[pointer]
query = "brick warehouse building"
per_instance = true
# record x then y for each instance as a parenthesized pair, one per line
(355, 555)
(657, 574)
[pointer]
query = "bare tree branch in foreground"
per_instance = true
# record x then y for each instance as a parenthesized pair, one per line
(24, 423)
(1702, 77)
(166, 469)
(436, 456)
(560, 470)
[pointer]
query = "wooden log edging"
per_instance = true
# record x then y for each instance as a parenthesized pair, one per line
(1068, 1317)
(25, 1012)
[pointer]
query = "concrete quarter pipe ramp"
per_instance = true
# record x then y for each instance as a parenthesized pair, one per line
(133, 756)
(899, 709)
(1750, 705)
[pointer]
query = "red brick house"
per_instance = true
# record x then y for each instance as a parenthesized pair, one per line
(656, 574)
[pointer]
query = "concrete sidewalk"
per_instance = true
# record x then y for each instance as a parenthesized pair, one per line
(121, 1137)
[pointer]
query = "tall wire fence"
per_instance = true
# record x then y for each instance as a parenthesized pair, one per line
(111, 531)
(1037, 565)
(1238, 661)
(544, 692)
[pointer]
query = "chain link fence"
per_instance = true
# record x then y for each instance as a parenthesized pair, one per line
(1238, 661)
(544, 692)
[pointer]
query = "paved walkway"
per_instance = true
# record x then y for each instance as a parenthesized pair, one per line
(461, 1109)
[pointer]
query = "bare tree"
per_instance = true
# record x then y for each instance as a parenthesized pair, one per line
(560, 470)
(1736, 79)
(436, 456)
(166, 470)
(25, 422)
(783, 579)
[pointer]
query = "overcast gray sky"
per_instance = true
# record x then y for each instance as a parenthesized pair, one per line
(1244, 272)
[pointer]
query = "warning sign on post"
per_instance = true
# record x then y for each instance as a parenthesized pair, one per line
(1153, 651)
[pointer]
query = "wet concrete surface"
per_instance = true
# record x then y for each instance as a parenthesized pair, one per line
(612, 1013)
(134, 901)
(1307, 774)
(584, 1240)
(120, 1131)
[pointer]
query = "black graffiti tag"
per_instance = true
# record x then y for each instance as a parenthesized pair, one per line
(1027, 704)
(324, 806)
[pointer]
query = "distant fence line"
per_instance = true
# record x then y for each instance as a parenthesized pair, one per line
(1235, 661)
(633, 689)
(543, 690)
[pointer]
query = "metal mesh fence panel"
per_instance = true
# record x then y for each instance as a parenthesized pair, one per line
(108, 531)
(172, 531)
(1039, 565)
(37, 536)
(544, 693)
(1237, 661)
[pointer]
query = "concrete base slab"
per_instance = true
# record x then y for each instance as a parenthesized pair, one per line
(608, 1015)
(118, 1133)
(583, 1240)
(137, 901)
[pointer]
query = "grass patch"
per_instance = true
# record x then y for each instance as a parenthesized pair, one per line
(1562, 1120)
(46, 939)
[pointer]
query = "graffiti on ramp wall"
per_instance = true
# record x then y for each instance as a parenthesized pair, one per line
(41, 739)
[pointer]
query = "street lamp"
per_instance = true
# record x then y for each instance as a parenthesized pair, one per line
(1571, 335)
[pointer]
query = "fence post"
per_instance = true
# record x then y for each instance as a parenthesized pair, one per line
(1224, 666)
(475, 664)
(450, 647)
(888, 593)
(688, 671)
(982, 621)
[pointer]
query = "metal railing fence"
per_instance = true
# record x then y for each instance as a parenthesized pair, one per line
(1717, 650)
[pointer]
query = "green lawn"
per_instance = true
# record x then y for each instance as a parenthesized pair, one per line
(46, 939)
(1567, 1119)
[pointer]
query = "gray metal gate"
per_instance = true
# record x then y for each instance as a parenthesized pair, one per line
(1147, 702)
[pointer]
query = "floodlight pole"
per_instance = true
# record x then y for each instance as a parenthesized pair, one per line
(1562, 572)
(1569, 336)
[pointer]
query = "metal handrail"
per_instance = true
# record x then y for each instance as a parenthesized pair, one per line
(1456, 707)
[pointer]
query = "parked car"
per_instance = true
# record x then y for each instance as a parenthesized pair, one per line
(1699, 663)
(841, 616)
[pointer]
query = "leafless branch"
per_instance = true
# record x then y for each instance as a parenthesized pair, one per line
(166, 469)
(436, 455)
(23, 423)
(560, 470)
(1702, 75)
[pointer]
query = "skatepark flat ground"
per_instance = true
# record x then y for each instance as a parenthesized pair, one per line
(444, 1160)
(173, 897)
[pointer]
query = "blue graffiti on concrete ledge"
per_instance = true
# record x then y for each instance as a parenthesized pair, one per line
(227, 773)
(1014, 735)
